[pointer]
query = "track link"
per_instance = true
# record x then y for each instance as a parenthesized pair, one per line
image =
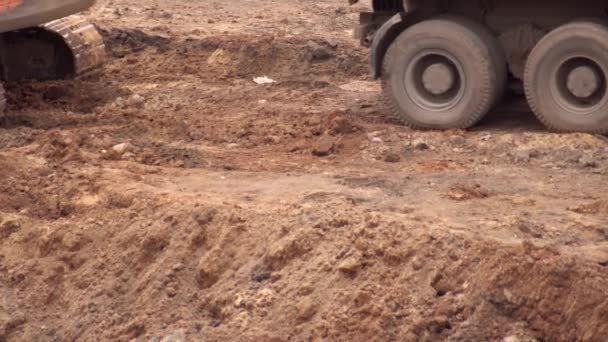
(83, 39)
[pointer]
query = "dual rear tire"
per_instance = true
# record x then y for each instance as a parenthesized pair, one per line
(448, 72)
(566, 75)
(443, 73)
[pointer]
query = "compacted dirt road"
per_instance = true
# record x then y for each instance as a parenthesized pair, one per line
(169, 197)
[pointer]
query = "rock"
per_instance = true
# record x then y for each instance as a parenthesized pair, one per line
(420, 144)
(128, 156)
(392, 157)
(373, 134)
(204, 216)
(350, 265)
(306, 309)
(333, 43)
(260, 276)
(239, 302)
(177, 336)
(232, 145)
(588, 161)
(120, 102)
(178, 267)
(324, 146)
(265, 298)
(8, 228)
(317, 52)
(313, 120)
(265, 337)
(522, 156)
(121, 149)
(515, 338)
(136, 101)
(219, 57)
(457, 140)
(534, 154)
(341, 126)
(377, 140)
(272, 139)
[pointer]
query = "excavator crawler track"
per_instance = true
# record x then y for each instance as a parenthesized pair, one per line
(83, 39)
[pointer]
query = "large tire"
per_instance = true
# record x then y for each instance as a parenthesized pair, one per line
(566, 78)
(477, 79)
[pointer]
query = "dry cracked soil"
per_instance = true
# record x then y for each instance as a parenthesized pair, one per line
(168, 197)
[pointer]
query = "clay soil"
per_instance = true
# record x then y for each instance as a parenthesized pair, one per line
(168, 197)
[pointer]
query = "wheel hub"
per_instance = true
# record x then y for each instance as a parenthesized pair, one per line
(583, 81)
(438, 78)
(435, 80)
(580, 85)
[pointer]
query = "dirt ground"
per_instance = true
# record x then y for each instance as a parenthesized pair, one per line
(169, 197)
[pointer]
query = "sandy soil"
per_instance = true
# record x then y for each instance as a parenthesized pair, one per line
(169, 197)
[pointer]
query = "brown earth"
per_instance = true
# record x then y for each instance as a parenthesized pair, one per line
(170, 196)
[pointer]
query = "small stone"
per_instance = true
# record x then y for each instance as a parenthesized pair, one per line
(120, 102)
(457, 140)
(178, 336)
(588, 161)
(373, 134)
(313, 120)
(333, 43)
(239, 302)
(392, 157)
(377, 140)
(419, 144)
(178, 267)
(324, 146)
(9, 227)
(342, 126)
(261, 276)
(306, 309)
(317, 52)
(265, 297)
(219, 57)
(272, 139)
(515, 338)
(534, 154)
(522, 156)
(120, 149)
(137, 101)
(128, 156)
(417, 263)
(350, 265)
(485, 137)
(232, 145)
(204, 216)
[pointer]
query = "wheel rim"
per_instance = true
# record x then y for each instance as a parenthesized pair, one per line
(434, 80)
(580, 85)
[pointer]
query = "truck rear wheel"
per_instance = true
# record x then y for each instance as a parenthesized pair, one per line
(443, 73)
(566, 78)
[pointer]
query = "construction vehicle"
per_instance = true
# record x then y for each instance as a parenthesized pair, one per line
(446, 63)
(42, 39)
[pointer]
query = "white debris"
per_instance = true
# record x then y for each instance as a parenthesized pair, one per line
(263, 80)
